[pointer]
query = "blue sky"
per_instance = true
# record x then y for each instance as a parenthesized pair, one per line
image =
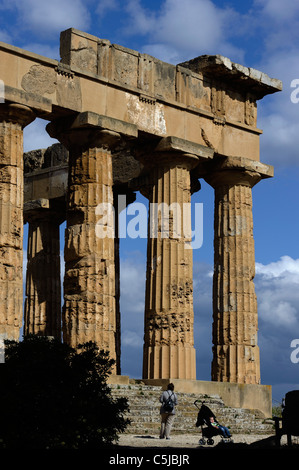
(263, 34)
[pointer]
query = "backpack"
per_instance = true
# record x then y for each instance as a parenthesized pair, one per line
(169, 405)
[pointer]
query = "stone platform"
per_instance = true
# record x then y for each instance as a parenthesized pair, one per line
(144, 411)
(245, 396)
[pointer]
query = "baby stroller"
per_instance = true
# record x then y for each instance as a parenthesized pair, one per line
(207, 430)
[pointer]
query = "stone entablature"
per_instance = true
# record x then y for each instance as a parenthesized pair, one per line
(159, 98)
(129, 122)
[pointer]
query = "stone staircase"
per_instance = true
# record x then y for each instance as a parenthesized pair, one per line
(144, 412)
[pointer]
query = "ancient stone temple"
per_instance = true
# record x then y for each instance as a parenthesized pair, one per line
(128, 122)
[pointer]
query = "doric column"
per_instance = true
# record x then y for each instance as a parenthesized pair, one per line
(89, 282)
(168, 340)
(89, 312)
(13, 118)
(235, 320)
(42, 312)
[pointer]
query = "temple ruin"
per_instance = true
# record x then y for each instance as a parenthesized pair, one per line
(128, 122)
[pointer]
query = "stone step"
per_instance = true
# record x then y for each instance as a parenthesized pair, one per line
(144, 412)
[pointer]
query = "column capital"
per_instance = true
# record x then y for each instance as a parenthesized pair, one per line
(144, 184)
(162, 157)
(171, 150)
(91, 130)
(41, 209)
(16, 113)
(168, 159)
(85, 137)
(231, 171)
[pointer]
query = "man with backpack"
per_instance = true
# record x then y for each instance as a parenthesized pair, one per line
(167, 411)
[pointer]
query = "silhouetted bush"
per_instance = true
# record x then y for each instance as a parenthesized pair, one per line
(53, 397)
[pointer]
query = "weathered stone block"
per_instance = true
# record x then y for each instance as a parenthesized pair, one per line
(79, 49)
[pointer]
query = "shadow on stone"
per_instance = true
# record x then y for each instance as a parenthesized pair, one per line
(268, 442)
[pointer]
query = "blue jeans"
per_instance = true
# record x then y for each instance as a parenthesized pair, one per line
(224, 431)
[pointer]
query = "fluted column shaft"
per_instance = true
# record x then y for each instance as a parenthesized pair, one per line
(13, 118)
(168, 340)
(89, 311)
(89, 283)
(42, 312)
(235, 321)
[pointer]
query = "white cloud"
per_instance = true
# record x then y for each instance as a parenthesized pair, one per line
(277, 289)
(5, 36)
(283, 268)
(277, 114)
(106, 5)
(277, 10)
(45, 17)
(184, 29)
(131, 339)
(142, 20)
(276, 311)
(43, 49)
(277, 286)
(164, 52)
(276, 23)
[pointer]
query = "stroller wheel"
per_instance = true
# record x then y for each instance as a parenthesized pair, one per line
(210, 442)
(202, 442)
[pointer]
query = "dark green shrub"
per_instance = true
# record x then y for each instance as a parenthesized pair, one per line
(54, 397)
